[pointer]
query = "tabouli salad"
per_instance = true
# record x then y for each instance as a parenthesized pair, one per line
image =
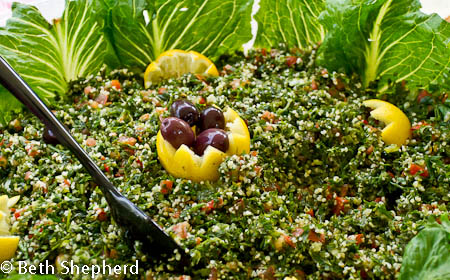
(319, 195)
(293, 162)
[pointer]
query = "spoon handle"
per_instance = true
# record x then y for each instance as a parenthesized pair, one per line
(20, 89)
(124, 212)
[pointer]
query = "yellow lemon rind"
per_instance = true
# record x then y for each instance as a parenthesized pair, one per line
(398, 126)
(184, 163)
(8, 245)
(175, 63)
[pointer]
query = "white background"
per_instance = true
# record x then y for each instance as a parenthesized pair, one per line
(53, 8)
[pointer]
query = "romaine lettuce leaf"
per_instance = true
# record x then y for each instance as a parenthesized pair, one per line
(427, 256)
(49, 56)
(211, 27)
(386, 40)
(292, 22)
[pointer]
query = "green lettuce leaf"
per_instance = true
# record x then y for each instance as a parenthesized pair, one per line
(427, 256)
(31, 277)
(211, 27)
(49, 56)
(292, 22)
(385, 40)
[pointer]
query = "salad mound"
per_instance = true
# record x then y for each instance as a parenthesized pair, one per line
(320, 195)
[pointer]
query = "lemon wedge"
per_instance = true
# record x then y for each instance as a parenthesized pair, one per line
(398, 127)
(8, 243)
(175, 63)
(184, 163)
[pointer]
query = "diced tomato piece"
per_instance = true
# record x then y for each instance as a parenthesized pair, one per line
(87, 90)
(3, 161)
(113, 254)
(419, 125)
(145, 117)
(166, 186)
(369, 150)
(236, 83)
(258, 170)
(314, 237)
(91, 142)
(289, 241)
(291, 60)
(414, 168)
(416, 127)
(268, 116)
(269, 274)
(160, 110)
(359, 238)
(339, 207)
(300, 273)
(314, 85)
(310, 212)
(177, 214)
(101, 215)
(363, 274)
(200, 77)
(93, 104)
(209, 206)
(116, 84)
(202, 100)
(17, 215)
(212, 204)
(106, 167)
(125, 140)
(101, 99)
(181, 229)
(162, 90)
(340, 85)
(344, 189)
(329, 196)
(298, 232)
(263, 51)
(268, 128)
(129, 150)
(198, 240)
(32, 152)
(27, 175)
(423, 93)
(213, 274)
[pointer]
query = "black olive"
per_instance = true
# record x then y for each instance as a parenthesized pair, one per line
(177, 132)
(49, 137)
(185, 110)
(215, 137)
(211, 117)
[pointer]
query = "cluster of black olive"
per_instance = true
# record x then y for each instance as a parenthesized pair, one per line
(210, 125)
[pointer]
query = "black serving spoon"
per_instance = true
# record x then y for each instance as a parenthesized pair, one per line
(133, 220)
